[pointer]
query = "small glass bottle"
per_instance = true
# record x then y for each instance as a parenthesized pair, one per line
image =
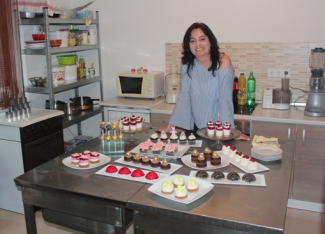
(251, 85)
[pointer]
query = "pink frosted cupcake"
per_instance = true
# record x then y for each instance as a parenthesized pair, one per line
(219, 131)
(94, 157)
(84, 161)
(75, 158)
(143, 148)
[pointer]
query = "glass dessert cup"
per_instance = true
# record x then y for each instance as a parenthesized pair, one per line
(132, 137)
(234, 133)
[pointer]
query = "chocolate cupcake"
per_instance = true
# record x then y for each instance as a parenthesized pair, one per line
(165, 165)
(207, 154)
(194, 156)
(191, 139)
(217, 175)
(128, 156)
(155, 162)
(215, 159)
(145, 160)
(182, 139)
(249, 177)
(154, 137)
(201, 175)
(163, 137)
(233, 176)
(201, 161)
(137, 158)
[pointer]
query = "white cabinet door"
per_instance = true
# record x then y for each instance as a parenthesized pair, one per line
(11, 166)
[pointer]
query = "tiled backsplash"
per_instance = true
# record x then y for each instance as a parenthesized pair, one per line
(259, 57)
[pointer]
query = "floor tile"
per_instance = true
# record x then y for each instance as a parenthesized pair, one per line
(12, 216)
(302, 222)
(9, 226)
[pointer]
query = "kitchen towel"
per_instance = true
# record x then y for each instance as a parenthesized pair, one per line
(36, 6)
(262, 138)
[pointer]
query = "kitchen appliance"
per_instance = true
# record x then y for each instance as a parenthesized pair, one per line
(315, 105)
(150, 85)
(173, 84)
(278, 99)
(26, 142)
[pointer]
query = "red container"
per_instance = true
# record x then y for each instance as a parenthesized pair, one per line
(56, 43)
(38, 37)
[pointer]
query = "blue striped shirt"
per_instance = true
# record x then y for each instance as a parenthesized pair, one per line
(204, 97)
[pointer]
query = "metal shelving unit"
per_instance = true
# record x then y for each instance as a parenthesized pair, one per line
(50, 88)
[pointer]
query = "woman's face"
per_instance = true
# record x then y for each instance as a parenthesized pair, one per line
(199, 43)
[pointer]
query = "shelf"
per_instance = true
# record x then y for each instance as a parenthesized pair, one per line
(55, 21)
(69, 120)
(59, 50)
(57, 88)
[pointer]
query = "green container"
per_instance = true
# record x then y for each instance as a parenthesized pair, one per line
(67, 59)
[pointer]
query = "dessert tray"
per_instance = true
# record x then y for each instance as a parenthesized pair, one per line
(245, 168)
(234, 133)
(103, 160)
(260, 180)
(173, 167)
(129, 177)
(186, 159)
(180, 152)
(266, 153)
(204, 188)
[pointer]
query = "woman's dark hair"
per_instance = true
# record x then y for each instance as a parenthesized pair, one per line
(188, 57)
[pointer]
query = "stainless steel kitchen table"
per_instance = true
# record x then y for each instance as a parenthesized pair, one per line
(79, 193)
(226, 208)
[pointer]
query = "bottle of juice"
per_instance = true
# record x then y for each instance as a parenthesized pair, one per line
(235, 90)
(82, 68)
(251, 85)
(242, 90)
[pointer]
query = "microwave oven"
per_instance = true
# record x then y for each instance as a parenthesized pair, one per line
(150, 85)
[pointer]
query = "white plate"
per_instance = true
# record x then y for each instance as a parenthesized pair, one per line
(260, 179)
(35, 47)
(103, 160)
(267, 150)
(173, 167)
(245, 169)
(129, 177)
(180, 152)
(267, 158)
(204, 188)
(186, 159)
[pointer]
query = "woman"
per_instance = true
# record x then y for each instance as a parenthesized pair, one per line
(206, 83)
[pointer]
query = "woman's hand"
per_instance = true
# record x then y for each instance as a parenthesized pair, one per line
(243, 137)
(166, 129)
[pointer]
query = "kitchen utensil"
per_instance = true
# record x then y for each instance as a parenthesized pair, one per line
(56, 43)
(38, 81)
(173, 84)
(270, 142)
(315, 105)
(63, 35)
(58, 105)
(72, 108)
(69, 59)
(38, 37)
(83, 100)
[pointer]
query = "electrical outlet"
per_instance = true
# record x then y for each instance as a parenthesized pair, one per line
(273, 72)
(285, 70)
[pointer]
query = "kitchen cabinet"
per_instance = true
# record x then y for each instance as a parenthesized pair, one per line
(50, 89)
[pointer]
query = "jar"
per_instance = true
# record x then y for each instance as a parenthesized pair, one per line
(58, 73)
(81, 37)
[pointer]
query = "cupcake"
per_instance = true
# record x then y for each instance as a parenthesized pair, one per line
(145, 160)
(133, 126)
(139, 121)
(126, 126)
(180, 192)
(244, 161)
(84, 161)
(143, 148)
(128, 156)
(167, 187)
(201, 161)
(226, 149)
(238, 157)
(252, 164)
(174, 146)
(137, 158)
(192, 186)
(170, 151)
(215, 159)
(191, 139)
(149, 143)
(226, 130)
(156, 149)
(161, 144)
(219, 132)
(201, 175)
(207, 154)
(178, 181)
(173, 136)
(217, 175)
(75, 158)
(155, 162)
(210, 129)
(163, 137)
(194, 156)
(182, 139)
(165, 165)
(154, 137)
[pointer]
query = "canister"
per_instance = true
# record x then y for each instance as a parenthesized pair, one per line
(81, 37)
(71, 72)
(58, 73)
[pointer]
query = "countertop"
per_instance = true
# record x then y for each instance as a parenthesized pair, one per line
(35, 116)
(131, 103)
